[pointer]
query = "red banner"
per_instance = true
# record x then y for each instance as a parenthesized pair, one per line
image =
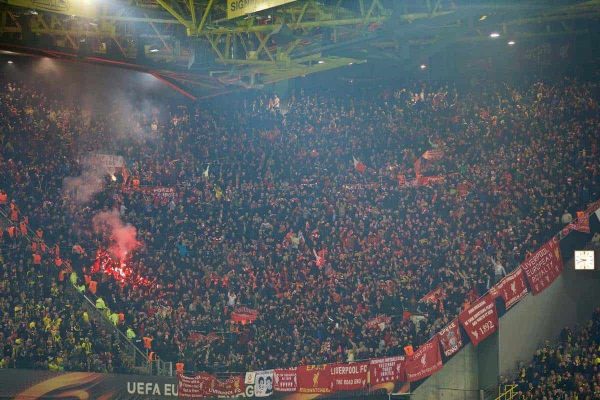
(480, 320)
(349, 376)
(581, 224)
(244, 315)
(388, 369)
(378, 322)
(285, 380)
(314, 378)
(194, 387)
(512, 288)
(232, 387)
(205, 385)
(430, 180)
(426, 361)
(450, 338)
(543, 267)
(434, 296)
(196, 337)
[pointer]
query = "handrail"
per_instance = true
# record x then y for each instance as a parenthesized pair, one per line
(86, 300)
(508, 393)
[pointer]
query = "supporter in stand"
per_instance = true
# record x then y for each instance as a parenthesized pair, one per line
(271, 213)
(569, 370)
(43, 326)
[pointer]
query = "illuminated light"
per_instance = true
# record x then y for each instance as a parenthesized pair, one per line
(10, 61)
(483, 17)
(321, 62)
(423, 66)
(113, 178)
(494, 35)
(351, 63)
(511, 43)
(153, 50)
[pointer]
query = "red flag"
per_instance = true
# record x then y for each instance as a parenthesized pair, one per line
(426, 361)
(244, 315)
(314, 378)
(388, 369)
(378, 322)
(359, 166)
(417, 167)
(480, 320)
(433, 155)
(434, 296)
(349, 376)
(543, 267)
(450, 338)
(512, 288)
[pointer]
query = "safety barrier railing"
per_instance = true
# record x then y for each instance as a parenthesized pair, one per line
(136, 358)
(507, 392)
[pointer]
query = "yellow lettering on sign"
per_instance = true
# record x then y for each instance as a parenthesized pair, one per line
(237, 8)
(80, 8)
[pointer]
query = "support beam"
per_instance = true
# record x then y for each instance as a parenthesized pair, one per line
(205, 16)
(174, 13)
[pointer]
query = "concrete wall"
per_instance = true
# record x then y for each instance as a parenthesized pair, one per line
(570, 300)
(458, 380)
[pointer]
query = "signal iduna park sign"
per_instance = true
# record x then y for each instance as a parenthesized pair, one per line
(237, 8)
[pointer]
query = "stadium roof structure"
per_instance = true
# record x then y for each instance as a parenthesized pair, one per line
(209, 47)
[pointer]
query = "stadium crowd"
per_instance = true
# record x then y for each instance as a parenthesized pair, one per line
(43, 325)
(274, 211)
(569, 370)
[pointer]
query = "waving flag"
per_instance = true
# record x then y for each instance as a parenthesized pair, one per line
(358, 165)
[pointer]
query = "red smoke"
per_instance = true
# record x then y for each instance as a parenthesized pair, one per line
(122, 237)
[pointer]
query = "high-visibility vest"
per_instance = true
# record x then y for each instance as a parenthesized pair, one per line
(130, 334)
(121, 317)
(147, 342)
(409, 350)
(73, 278)
(37, 259)
(179, 367)
(136, 182)
(100, 304)
(93, 286)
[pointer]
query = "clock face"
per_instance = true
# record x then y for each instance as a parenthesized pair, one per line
(584, 259)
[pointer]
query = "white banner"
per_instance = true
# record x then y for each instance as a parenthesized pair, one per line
(263, 383)
(107, 162)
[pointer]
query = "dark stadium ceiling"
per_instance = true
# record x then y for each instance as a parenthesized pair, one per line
(194, 47)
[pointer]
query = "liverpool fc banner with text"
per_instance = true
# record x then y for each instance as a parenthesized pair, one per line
(543, 267)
